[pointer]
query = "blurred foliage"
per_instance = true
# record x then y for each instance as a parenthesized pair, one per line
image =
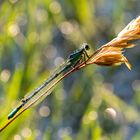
(35, 36)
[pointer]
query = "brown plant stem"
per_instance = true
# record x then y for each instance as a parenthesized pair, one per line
(83, 64)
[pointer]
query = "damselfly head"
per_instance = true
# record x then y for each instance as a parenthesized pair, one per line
(86, 46)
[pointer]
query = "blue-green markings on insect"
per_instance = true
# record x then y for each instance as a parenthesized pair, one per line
(78, 56)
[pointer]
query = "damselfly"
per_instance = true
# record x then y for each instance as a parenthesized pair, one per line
(72, 61)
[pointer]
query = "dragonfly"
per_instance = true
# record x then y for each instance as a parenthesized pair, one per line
(73, 60)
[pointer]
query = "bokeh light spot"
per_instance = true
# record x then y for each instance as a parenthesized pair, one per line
(44, 111)
(37, 132)
(26, 132)
(13, 1)
(55, 7)
(92, 115)
(64, 132)
(51, 53)
(58, 61)
(41, 15)
(13, 29)
(66, 28)
(5, 75)
(86, 120)
(60, 94)
(111, 113)
(17, 137)
(33, 37)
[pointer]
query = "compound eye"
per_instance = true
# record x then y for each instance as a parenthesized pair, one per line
(86, 46)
